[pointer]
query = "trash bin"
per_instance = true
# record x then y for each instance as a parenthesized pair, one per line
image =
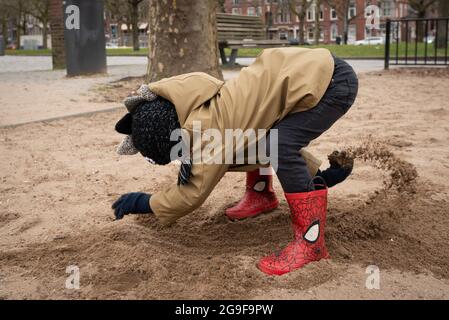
(84, 37)
(338, 40)
(2, 46)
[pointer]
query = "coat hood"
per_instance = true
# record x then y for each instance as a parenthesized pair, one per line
(187, 91)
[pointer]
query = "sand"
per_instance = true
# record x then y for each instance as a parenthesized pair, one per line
(59, 178)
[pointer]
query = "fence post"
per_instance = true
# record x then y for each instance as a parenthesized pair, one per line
(387, 45)
(2, 46)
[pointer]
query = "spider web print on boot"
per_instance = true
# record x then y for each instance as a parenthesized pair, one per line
(259, 197)
(308, 213)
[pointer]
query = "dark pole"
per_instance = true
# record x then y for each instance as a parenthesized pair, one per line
(270, 19)
(387, 45)
(445, 41)
(406, 41)
(84, 36)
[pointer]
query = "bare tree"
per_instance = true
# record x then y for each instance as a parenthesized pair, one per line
(183, 38)
(118, 11)
(57, 34)
(317, 27)
(16, 9)
(40, 10)
(221, 6)
(343, 14)
(299, 9)
(420, 7)
(127, 12)
(443, 10)
(134, 17)
(4, 17)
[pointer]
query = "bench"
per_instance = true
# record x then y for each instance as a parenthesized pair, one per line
(237, 31)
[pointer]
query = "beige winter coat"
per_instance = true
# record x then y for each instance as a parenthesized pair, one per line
(279, 82)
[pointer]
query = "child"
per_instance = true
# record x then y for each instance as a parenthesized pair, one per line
(298, 92)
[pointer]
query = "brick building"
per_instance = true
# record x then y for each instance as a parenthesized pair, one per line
(285, 25)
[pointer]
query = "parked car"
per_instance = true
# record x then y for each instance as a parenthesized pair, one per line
(111, 44)
(370, 41)
(429, 39)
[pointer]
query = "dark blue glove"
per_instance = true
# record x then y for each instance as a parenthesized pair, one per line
(334, 175)
(134, 202)
(341, 164)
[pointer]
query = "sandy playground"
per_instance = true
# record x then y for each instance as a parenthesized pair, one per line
(59, 178)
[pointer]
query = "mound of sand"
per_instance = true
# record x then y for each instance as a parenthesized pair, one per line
(60, 178)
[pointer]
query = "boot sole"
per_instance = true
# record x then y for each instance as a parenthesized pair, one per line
(252, 215)
(272, 272)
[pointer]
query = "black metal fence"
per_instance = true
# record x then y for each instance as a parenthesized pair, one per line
(417, 42)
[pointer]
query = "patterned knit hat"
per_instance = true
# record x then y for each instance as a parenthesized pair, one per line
(148, 126)
(152, 124)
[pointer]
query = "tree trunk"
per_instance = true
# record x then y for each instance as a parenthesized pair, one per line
(183, 38)
(57, 34)
(121, 35)
(5, 30)
(135, 25)
(346, 25)
(44, 35)
(316, 34)
(420, 26)
(18, 34)
(301, 37)
(443, 9)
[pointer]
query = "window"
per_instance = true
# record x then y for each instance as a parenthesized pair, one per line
(236, 11)
(283, 35)
(283, 16)
(333, 14)
(334, 31)
(311, 34)
(387, 8)
(235, 1)
(352, 10)
(251, 11)
(352, 32)
(311, 13)
(259, 11)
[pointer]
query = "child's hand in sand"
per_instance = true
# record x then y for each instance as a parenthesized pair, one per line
(341, 164)
(134, 202)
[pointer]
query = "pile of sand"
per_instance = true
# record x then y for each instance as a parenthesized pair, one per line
(60, 178)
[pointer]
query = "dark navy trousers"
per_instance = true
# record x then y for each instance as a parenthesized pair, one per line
(297, 130)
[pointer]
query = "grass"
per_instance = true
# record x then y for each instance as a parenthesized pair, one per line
(365, 51)
(345, 51)
(42, 52)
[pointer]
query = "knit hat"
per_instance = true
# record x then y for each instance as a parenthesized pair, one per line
(148, 128)
(152, 124)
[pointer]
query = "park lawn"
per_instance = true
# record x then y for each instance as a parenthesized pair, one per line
(364, 51)
(344, 51)
(42, 52)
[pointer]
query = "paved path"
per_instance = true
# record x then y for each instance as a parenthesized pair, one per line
(32, 63)
(31, 91)
(39, 95)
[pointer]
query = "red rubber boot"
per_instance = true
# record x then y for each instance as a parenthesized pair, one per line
(308, 214)
(259, 197)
